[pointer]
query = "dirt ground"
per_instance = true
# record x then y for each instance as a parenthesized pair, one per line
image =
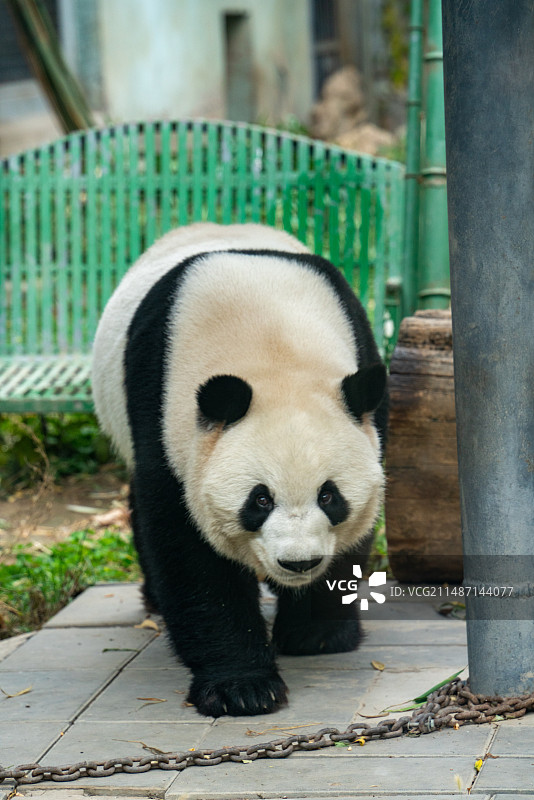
(48, 513)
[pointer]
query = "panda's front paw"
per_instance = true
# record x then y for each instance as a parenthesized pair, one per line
(316, 637)
(255, 692)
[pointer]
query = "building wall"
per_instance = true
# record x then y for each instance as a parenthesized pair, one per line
(168, 58)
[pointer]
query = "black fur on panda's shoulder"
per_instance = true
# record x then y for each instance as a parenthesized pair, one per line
(144, 354)
(364, 340)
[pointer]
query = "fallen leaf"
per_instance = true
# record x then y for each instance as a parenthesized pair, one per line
(153, 699)
(374, 716)
(361, 741)
(17, 694)
(155, 750)
(150, 701)
(378, 665)
(423, 697)
(479, 764)
(247, 761)
(149, 623)
(419, 701)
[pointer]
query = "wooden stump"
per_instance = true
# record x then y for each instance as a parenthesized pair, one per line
(422, 497)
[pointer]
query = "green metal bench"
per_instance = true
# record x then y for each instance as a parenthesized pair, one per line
(76, 213)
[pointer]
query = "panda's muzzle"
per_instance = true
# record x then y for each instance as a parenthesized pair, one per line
(300, 566)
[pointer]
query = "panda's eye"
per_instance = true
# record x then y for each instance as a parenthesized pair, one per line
(332, 503)
(256, 508)
(264, 501)
(325, 497)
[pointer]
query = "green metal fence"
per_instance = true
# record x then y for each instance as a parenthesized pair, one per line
(75, 214)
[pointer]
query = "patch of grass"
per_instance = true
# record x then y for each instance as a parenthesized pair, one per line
(37, 581)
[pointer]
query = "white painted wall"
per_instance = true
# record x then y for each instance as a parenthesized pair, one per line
(164, 59)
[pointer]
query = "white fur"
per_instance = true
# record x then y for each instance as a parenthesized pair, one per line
(281, 328)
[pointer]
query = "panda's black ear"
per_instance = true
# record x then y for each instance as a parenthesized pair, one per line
(364, 390)
(223, 398)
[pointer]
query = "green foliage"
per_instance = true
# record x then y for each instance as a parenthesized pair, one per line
(378, 559)
(57, 445)
(35, 583)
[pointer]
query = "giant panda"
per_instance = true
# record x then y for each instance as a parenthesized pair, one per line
(237, 375)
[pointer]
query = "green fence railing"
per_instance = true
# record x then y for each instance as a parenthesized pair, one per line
(75, 214)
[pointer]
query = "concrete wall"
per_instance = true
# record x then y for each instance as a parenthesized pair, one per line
(167, 58)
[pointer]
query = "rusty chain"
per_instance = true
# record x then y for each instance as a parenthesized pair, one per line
(450, 706)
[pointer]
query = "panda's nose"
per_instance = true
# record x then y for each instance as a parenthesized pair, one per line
(300, 566)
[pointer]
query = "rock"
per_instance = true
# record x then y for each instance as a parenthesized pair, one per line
(340, 115)
(342, 105)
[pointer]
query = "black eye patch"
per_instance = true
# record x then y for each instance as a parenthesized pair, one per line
(256, 508)
(332, 502)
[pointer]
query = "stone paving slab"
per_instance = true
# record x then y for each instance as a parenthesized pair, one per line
(510, 796)
(101, 688)
(497, 775)
(396, 659)
(53, 695)
(8, 646)
(145, 695)
(311, 775)
(101, 606)
(67, 794)
(96, 741)
(26, 742)
(438, 632)
(97, 648)
(516, 741)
